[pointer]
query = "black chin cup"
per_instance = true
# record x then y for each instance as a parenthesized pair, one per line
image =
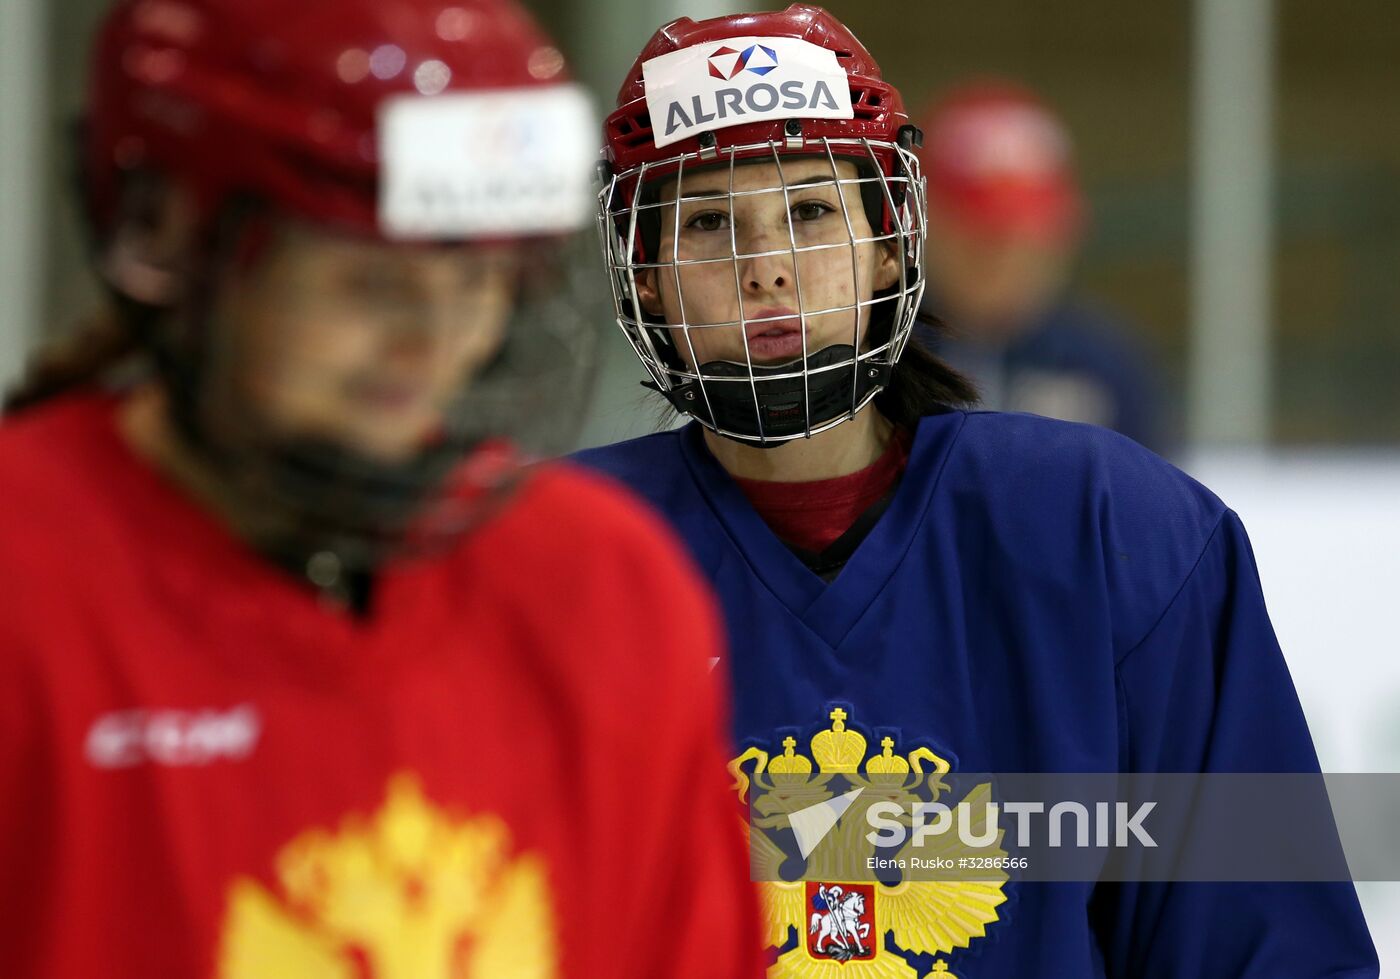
(786, 406)
(304, 496)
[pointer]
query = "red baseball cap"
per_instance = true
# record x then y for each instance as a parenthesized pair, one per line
(998, 162)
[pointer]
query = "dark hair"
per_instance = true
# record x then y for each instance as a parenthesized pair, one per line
(118, 333)
(921, 383)
(107, 340)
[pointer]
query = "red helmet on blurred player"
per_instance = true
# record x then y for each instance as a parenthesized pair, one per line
(762, 87)
(998, 163)
(286, 102)
(422, 121)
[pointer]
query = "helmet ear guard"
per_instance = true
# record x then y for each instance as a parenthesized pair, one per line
(909, 139)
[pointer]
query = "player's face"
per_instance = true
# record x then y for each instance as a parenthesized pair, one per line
(362, 343)
(766, 286)
(993, 282)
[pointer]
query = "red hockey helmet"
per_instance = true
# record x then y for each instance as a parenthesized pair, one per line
(282, 100)
(999, 162)
(749, 88)
(876, 110)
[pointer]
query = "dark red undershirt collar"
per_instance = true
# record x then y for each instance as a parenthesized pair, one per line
(811, 515)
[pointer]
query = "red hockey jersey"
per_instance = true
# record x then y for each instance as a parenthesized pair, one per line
(510, 768)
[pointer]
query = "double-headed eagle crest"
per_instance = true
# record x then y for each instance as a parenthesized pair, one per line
(830, 917)
(410, 892)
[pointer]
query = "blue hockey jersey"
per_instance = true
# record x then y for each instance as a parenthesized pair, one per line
(1038, 596)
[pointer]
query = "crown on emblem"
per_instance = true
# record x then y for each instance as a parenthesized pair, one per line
(790, 763)
(887, 763)
(838, 750)
(940, 968)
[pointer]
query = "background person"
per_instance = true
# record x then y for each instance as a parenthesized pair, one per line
(1006, 220)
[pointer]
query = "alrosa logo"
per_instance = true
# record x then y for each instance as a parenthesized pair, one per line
(726, 62)
(727, 105)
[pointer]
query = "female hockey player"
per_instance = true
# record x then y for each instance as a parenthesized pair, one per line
(909, 585)
(301, 674)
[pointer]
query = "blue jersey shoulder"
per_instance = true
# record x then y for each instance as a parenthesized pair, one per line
(652, 466)
(1022, 447)
(1079, 499)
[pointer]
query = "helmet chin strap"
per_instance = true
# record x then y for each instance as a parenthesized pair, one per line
(787, 407)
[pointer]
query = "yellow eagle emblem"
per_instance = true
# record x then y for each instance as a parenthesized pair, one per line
(410, 892)
(839, 924)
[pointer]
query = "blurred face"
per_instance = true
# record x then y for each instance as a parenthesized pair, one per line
(362, 343)
(993, 283)
(760, 286)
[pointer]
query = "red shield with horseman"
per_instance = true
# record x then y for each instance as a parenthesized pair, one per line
(841, 922)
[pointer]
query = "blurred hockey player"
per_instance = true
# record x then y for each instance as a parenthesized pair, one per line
(1006, 219)
(302, 672)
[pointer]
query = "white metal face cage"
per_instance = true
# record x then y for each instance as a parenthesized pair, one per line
(756, 403)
